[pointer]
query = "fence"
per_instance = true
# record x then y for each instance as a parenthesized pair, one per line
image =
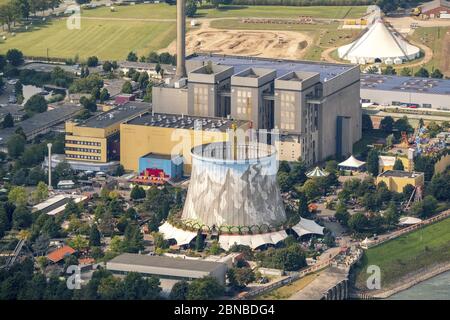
(414, 227)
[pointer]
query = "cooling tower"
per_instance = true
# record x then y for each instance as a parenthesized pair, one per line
(234, 185)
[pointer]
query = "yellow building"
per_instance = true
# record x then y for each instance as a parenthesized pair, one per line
(169, 134)
(96, 140)
(396, 180)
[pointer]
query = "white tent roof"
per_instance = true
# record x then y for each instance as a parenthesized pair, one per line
(366, 241)
(182, 237)
(316, 172)
(352, 162)
(386, 161)
(252, 240)
(306, 226)
(409, 221)
(379, 42)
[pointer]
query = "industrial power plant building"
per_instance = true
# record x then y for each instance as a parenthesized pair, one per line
(315, 106)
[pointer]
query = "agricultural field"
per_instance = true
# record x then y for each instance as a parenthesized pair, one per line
(408, 253)
(106, 39)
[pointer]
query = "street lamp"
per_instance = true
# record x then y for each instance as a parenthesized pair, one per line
(49, 146)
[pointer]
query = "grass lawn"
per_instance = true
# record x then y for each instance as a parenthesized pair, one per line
(165, 11)
(408, 253)
(434, 39)
(286, 291)
(105, 39)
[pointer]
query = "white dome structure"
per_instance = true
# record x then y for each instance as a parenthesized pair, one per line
(379, 44)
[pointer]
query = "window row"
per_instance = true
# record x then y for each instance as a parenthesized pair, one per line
(86, 143)
(79, 156)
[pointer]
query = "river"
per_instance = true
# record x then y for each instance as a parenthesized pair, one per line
(436, 288)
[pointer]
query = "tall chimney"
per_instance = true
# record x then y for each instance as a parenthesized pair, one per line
(181, 39)
(49, 146)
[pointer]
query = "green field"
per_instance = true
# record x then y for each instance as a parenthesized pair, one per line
(164, 11)
(105, 39)
(111, 35)
(434, 39)
(408, 253)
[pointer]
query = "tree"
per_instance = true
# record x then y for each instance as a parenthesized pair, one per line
(439, 186)
(391, 215)
(79, 243)
(136, 287)
(104, 95)
(18, 196)
(206, 288)
(8, 121)
(311, 189)
(191, 8)
(389, 70)
(199, 241)
(366, 122)
(298, 172)
(387, 124)
(89, 104)
(398, 165)
(127, 87)
(36, 104)
(137, 192)
(4, 222)
(239, 278)
(94, 237)
(373, 70)
(21, 217)
(40, 193)
(402, 124)
(132, 57)
(179, 290)
(119, 171)
(373, 162)
(425, 208)
(303, 206)
(437, 74)
(425, 164)
(342, 214)
(358, 222)
(14, 57)
(406, 72)
(92, 61)
(422, 72)
(16, 145)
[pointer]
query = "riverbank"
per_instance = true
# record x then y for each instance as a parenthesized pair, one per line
(410, 280)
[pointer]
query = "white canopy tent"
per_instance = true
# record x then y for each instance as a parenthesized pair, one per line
(316, 173)
(351, 163)
(182, 237)
(252, 240)
(306, 226)
(406, 221)
(379, 43)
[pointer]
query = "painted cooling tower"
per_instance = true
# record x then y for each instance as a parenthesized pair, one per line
(234, 185)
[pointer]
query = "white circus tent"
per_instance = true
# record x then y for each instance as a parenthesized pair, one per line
(379, 44)
(316, 173)
(252, 240)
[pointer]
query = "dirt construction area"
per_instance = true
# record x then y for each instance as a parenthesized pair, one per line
(270, 44)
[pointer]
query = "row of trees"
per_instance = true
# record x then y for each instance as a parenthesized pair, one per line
(14, 10)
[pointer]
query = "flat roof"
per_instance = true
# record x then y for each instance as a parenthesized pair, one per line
(115, 115)
(166, 262)
(177, 121)
(405, 84)
(42, 120)
(157, 156)
(49, 67)
(400, 174)
(326, 70)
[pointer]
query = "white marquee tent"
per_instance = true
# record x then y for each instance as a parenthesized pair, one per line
(351, 164)
(407, 221)
(182, 237)
(252, 240)
(379, 44)
(306, 226)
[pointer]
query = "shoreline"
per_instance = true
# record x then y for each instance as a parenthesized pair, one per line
(411, 280)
